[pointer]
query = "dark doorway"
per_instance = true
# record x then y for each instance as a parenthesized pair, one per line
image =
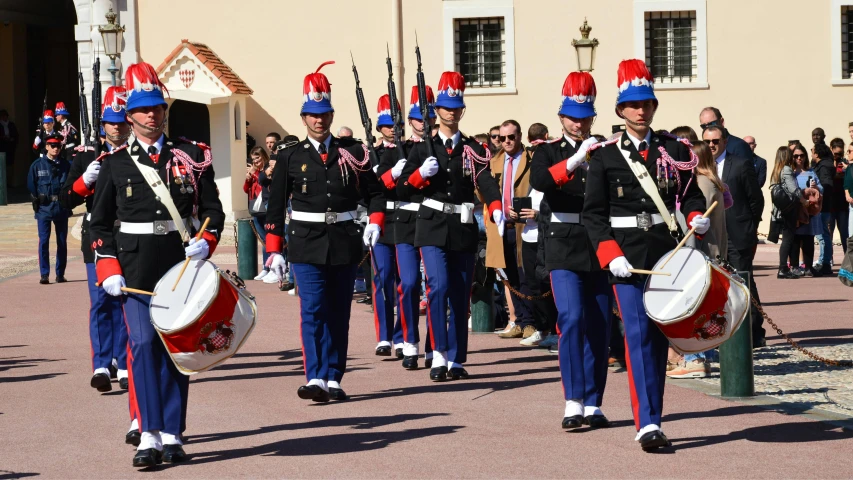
(190, 120)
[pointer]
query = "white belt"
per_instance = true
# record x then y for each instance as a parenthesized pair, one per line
(642, 220)
(327, 217)
(566, 217)
(410, 206)
(441, 206)
(157, 227)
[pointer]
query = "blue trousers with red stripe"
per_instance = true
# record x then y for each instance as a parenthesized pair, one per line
(325, 300)
(645, 352)
(385, 286)
(409, 294)
(160, 390)
(107, 331)
(449, 276)
(583, 324)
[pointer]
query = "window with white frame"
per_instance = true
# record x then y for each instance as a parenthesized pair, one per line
(846, 41)
(841, 38)
(671, 46)
(479, 51)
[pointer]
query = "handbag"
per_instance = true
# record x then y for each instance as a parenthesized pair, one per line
(258, 206)
(845, 274)
(781, 199)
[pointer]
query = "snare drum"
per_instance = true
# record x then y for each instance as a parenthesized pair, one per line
(699, 306)
(205, 320)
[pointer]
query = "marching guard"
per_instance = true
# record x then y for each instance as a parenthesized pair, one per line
(633, 185)
(326, 177)
(107, 330)
(445, 230)
(581, 292)
(154, 220)
(47, 128)
(69, 132)
(408, 257)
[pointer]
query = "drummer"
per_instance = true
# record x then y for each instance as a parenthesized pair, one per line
(629, 231)
(147, 245)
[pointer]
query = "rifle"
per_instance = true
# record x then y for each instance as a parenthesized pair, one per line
(422, 102)
(96, 104)
(396, 113)
(40, 126)
(365, 117)
(85, 127)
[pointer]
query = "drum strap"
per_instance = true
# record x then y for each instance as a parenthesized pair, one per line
(152, 178)
(650, 188)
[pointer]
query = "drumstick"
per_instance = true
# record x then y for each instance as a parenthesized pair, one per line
(187, 261)
(689, 234)
(136, 290)
(645, 272)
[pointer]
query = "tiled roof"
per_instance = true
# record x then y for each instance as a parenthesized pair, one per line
(211, 61)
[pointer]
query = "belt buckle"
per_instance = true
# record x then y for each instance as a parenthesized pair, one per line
(447, 208)
(644, 221)
(397, 205)
(331, 218)
(161, 227)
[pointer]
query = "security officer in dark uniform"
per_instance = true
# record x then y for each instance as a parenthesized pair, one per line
(581, 292)
(44, 181)
(146, 246)
(107, 330)
(326, 177)
(403, 218)
(445, 230)
(628, 231)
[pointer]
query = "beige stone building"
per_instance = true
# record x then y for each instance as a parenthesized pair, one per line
(776, 68)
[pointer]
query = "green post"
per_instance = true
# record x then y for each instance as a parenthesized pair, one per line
(737, 377)
(247, 250)
(3, 187)
(482, 309)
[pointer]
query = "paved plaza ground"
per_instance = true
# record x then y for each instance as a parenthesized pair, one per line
(245, 420)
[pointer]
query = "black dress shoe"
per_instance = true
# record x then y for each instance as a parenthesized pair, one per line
(410, 362)
(364, 300)
(61, 279)
(313, 392)
(174, 454)
(337, 394)
(132, 438)
(427, 362)
(44, 280)
(654, 440)
(438, 374)
(101, 381)
(122, 383)
(383, 351)
(596, 421)
(150, 457)
(575, 421)
(457, 373)
(399, 353)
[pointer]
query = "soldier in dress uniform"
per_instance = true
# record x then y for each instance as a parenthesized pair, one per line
(326, 177)
(445, 230)
(107, 330)
(68, 131)
(48, 126)
(580, 287)
(148, 243)
(46, 176)
(403, 218)
(628, 231)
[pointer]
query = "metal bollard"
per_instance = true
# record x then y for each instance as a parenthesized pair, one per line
(3, 187)
(247, 250)
(482, 309)
(737, 377)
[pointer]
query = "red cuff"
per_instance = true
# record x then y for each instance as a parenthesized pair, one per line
(211, 242)
(388, 180)
(81, 189)
(559, 173)
(273, 243)
(607, 251)
(417, 181)
(496, 205)
(690, 219)
(106, 268)
(378, 218)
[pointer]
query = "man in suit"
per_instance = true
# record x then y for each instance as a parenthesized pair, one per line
(743, 217)
(759, 163)
(711, 116)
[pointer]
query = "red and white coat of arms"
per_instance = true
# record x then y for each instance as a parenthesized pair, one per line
(187, 77)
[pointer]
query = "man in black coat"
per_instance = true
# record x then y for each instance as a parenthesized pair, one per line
(711, 116)
(759, 163)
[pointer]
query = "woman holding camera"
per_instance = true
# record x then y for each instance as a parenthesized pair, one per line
(812, 190)
(258, 197)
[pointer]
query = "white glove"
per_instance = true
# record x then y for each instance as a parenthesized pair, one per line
(429, 168)
(619, 267)
(371, 234)
(701, 224)
(90, 176)
(197, 249)
(579, 158)
(498, 217)
(397, 169)
(113, 285)
(375, 168)
(37, 141)
(277, 265)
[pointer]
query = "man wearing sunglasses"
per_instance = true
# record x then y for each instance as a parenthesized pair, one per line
(712, 117)
(44, 181)
(494, 143)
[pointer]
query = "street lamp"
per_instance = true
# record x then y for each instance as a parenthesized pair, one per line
(585, 48)
(112, 36)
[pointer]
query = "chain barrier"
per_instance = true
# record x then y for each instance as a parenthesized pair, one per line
(518, 294)
(236, 243)
(366, 256)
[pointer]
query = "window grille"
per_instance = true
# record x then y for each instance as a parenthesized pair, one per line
(480, 51)
(846, 42)
(671, 46)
